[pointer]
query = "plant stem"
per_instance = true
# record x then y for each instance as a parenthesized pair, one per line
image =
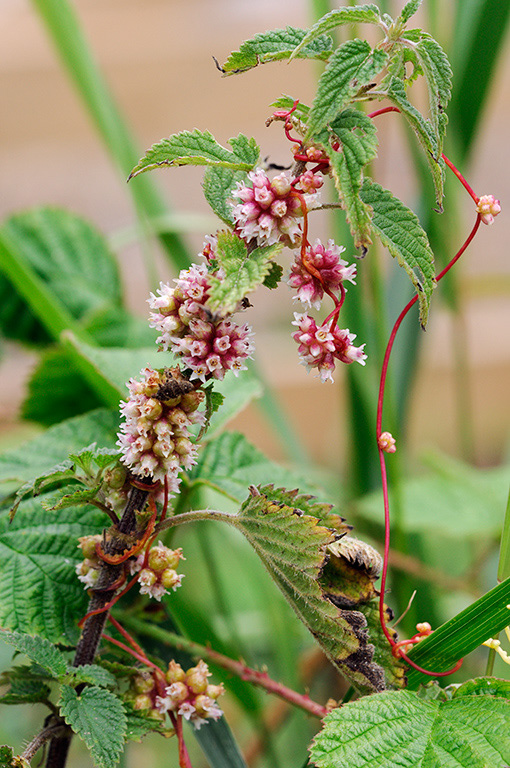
(253, 676)
(47, 733)
(93, 627)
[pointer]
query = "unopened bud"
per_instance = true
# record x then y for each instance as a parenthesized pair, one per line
(386, 442)
(488, 208)
(143, 683)
(142, 702)
(162, 557)
(115, 478)
(170, 579)
(175, 673)
(87, 544)
(424, 628)
(196, 677)
(214, 691)
(178, 692)
(203, 704)
(191, 400)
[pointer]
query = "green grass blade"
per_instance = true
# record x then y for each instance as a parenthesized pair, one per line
(478, 42)
(64, 30)
(504, 551)
(462, 634)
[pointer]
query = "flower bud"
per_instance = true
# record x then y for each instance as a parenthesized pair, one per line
(142, 702)
(87, 544)
(214, 691)
(162, 557)
(203, 704)
(178, 692)
(115, 478)
(170, 579)
(143, 683)
(196, 677)
(175, 673)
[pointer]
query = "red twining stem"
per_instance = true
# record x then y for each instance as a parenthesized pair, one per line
(380, 401)
(117, 559)
(184, 758)
(112, 602)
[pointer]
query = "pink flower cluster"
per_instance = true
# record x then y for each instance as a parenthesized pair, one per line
(189, 694)
(154, 438)
(208, 345)
(326, 261)
(488, 208)
(159, 574)
(319, 347)
(270, 210)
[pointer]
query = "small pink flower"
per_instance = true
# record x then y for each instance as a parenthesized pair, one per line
(488, 208)
(386, 442)
(319, 347)
(269, 210)
(332, 269)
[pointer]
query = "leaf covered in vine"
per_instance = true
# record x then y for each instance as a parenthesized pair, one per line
(402, 234)
(293, 546)
(199, 148)
(276, 45)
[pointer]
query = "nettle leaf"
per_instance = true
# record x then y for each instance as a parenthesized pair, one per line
(59, 473)
(400, 727)
(352, 66)
(358, 146)
(38, 649)
(98, 717)
(422, 128)
(218, 186)
(276, 45)
(484, 686)
(139, 724)
(274, 276)
(438, 74)
(409, 10)
(90, 673)
(356, 14)
(402, 234)
(72, 498)
(294, 548)
(70, 256)
(228, 464)
(199, 148)
(49, 452)
(244, 270)
(24, 690)
(39, 591)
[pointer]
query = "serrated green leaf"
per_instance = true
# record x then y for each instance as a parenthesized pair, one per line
(39, 591)
(72, 259)
(243, 271)
(352, 66)
(72, 498)
(276, 45)
(46, 452)
(484, 686)
(98, 717)
(57, 474)
(25, 691)
(101, 457)
(90, 673)
(398, 727)
(484, 618)
(294, 548)
(139, 725)
(273, 277)
(287, 102)
(367, 13)
(218, 186)
(402, 234)
(424, 133)
(409, 10)
(358, 146)
(7, 759)
(38, 649)
(438, 74)
(229, 464)
(450, 501)
(199, 148)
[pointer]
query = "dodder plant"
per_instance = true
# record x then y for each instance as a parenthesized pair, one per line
(103, 684)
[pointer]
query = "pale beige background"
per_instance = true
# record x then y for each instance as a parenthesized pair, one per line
(157, 58)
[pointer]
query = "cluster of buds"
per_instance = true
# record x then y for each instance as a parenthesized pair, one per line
(207, 344)
(488, 208)
(88, 569)
(321, 268)
(386, 442)
(270, 209)
(158, 575)
(320, 347)
(154, 438)
(188, 694)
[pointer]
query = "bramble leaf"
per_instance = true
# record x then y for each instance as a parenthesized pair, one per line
(358, 146)
(70, 257)
(39, 650)
(424, 132)
(402, 234)
(438, 74)
(409, 10)
(93, 714)
(199, 148)
(244, 271)
(275, 45)
(294, 548)
(356, 14)
(399, 726)
(39, 591)
(218, 186)
(352, 66)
